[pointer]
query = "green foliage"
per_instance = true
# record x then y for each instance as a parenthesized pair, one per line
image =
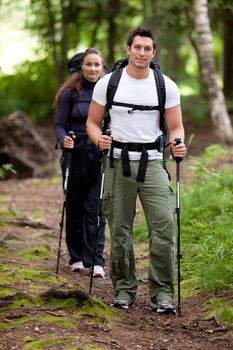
(6, 168)
(30, 89)
(207, 206)
(220, 310)
(195, 109)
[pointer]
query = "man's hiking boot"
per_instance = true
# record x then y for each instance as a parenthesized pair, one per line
(77, 266)
(121, 303)
(163, 306)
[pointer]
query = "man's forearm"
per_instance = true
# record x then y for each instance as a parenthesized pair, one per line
(176, 133)
(94, 121)
(94, 132)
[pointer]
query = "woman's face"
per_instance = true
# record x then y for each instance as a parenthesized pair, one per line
(92, 67)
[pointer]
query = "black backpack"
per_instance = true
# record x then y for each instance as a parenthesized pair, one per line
(112, 87)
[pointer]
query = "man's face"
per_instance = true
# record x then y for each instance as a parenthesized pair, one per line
(141, 52)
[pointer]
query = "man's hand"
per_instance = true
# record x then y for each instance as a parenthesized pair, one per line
(178, 150)
(104, 142)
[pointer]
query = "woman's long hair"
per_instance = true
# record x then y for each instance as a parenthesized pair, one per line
(73, 81)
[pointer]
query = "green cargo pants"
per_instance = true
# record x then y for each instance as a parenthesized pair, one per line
(119, 205)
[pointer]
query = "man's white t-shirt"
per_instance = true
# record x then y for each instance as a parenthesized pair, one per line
(136, 126)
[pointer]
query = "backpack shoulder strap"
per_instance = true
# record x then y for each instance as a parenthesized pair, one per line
(111, 90)
(114, 81)
(160, 83)
(112, 86)
(161, 91)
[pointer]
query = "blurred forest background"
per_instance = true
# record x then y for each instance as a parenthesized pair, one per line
(63, 27)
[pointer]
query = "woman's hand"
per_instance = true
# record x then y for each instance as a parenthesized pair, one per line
(68, 141)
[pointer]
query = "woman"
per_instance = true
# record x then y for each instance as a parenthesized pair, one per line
(72, 102)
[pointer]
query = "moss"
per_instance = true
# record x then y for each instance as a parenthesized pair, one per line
(44, 344)
(69, 304)
(74, 342)
(59, 321)
(5, 213)
(5, 280)
(21, 302)
(143, 265)
(97, 311)
(36, 253)
(6, 290)
(31, 274)
(45, 182)
(38, 289)
(4, 198)
(9, 276)
(14, 323)
(92, 309)
(6, 274)
(38, 212)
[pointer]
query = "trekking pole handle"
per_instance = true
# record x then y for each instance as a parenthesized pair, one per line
(72, 134)
(108, 133)
(178, 141)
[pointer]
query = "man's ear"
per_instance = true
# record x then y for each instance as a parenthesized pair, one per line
(127, 49)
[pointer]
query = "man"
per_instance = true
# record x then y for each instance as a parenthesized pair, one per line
(134, 129)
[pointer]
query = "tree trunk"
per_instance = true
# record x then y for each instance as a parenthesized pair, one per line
(97, 20)
(52, 40)
(150, 19)
(113, 6)
(64, 46)
(218, 111)
(228, 55)
(150, 14)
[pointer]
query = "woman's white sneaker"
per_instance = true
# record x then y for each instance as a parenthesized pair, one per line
(77, 266)
(98, 271)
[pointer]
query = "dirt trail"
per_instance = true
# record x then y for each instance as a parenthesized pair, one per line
(36, 204)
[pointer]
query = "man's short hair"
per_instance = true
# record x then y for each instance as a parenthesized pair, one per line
(144, 32)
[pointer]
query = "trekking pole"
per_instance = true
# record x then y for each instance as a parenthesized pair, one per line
(65, 185)
(107, 132)
(179, 254)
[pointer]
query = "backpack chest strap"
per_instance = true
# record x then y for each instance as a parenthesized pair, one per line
(134, 107)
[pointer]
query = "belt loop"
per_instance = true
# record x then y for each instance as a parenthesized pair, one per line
(142, 165)
(125, 161)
